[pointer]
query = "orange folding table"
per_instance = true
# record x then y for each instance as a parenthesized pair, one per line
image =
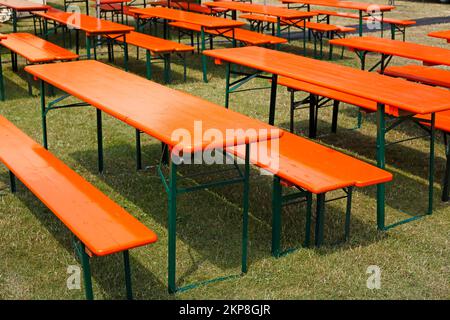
(389, 48)
(444, 34)
(21, 6)
(187, 126)
(292, 17)
(365, 9)
(393, 96)
(221, 25)
(91, 26)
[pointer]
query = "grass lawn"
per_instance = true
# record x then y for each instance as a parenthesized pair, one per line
(36, 249)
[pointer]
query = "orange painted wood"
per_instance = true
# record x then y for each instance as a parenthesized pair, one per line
(189, 17)
(445, 34)
(35, 49)
(88, 24)
(427, 75)
(155, 44)
(101, 224)
(23, 5)
(393, 92)
(363, 6)
(261, 9)
(427, 54)
(312, 166)
(244, 35)
(156, 110)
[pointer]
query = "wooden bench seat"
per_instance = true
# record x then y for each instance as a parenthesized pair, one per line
(34, 50)
(101, 226)
(314, 168)
(426, 75)
(246, 36)
(396, 24)
(315, 101)
(319, 30)
(159, 48)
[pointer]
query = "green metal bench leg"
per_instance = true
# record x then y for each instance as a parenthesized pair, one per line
(276, 216)
(320, 215)
(292, 111)
(348, 213)
(445, 188)
(184, 67)
(12, 181)
(127, 269)
(334, 122)
(227, 85)
(88, 47)
(99, 140)
(86, 273)
(172, 228)
(138, 150)
(43, 115)
(167, 77)
(330, 54)
(2, 82)
(148, 64)
(125, 56)
(393, 32)
(245, 206)
(204, 61)
(313, 110)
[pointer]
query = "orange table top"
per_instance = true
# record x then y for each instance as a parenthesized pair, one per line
(185, 16)
(362, 6)
(159, 111)
(427, 54)
(444, 34)
(88, 24)
(397, 93)
(35, 49)
(101, 224)
(261, 9)
(23, 5)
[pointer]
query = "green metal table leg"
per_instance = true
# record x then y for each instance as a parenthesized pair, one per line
(14, 20)
(43, 115)
(125, 56)
(320, 214)
(204, 61)
(445, 187)
(99, 140)
(138, 150)
(360, 23)
(86, 273)
(127, 269)
(12, 181)
(167, 72)
(273, 98)
(172, 235)
(277, 47)
(276, 216)
(381, 163)
(431, 170)
(245, 207)
(227, 85)
(308, 219)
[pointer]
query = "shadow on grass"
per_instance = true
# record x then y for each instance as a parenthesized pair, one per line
(107, 271)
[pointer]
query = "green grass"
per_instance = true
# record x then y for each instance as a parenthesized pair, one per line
(35, 248)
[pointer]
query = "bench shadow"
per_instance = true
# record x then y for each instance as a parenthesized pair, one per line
(107, 271)
(15, 91)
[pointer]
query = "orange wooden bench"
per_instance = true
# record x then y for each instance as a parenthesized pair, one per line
(100, 226)
(244, 36)
(396, 25)
(319, 97)
(318, 30)
(310, 168)
(423, 74)
(443, 34)
(34, 50)
(157, 48)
